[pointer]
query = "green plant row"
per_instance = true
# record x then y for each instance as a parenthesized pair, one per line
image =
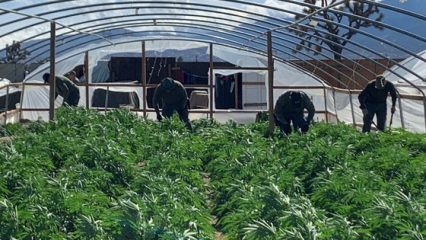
(96, 176)
(114, 176)
(332, 183)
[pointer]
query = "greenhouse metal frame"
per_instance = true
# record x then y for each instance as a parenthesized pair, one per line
(217, 23)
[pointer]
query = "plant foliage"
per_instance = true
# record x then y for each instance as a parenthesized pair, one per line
(115, 176)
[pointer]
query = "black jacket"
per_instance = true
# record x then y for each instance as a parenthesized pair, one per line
(372, 95)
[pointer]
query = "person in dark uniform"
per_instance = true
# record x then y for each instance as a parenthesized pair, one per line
(73, 77)
(373, 102)
(290, 107)
(173, 96)
(65, 88)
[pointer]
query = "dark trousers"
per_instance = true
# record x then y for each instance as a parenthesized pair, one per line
(298, 121)
(73, 98)
(379, 110)
(183, 114)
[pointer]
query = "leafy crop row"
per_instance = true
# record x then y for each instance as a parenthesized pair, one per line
(115, 176)
(332, 183)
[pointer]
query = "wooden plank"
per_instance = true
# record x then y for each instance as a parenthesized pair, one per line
(270, 84)
(211, 79)
(52, 81)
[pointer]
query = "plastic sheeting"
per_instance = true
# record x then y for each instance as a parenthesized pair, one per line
(284, 74)
(413, 110)
(337, 103)
(3, 89)
(396, 74)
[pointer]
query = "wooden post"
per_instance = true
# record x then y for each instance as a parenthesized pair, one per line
(21, 101)
(401, 112)
(86, 76)
(236, 92)
(211, 80)
(325, 104)
(335, 106)
(424, 109)
(352, 108)
(270, 84)
(106, 99)
(52, 83)
(143, 76)
(6, 105)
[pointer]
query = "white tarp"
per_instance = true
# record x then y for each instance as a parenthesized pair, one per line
(338, 104)
(284, 75)
(3, 90)
(413, 70)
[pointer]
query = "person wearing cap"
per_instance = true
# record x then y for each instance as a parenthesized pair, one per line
(65, 88)
(73, 77)
(173, 96)
(82, 78)
(290, 107)
(373, 102)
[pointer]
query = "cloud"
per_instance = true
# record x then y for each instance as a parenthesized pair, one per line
(276, 4)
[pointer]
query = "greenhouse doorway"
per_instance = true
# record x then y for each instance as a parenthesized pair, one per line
(228, 91)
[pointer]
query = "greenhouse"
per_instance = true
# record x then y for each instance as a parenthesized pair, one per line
(154, 30)
(108, 170)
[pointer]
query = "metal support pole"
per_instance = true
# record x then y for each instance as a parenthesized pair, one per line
(143, 76)
(424, 107)
(106, 98)
(352, 108)
(6, 104)
(211, 80)
(52, 71)
(325, 104)
(86, 76)
(270, 84)
(236, 92)
(335, 107)
(401, 114)
(21, 101)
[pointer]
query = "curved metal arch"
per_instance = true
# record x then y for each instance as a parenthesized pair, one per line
(284, 46)
(262, 54)
(308, 63)
(278, 44)
(236, 36)
(384, 5)
(371, 20)
(316, 78)
(257, 5)
(48, 20)
(346, 48)
(286, 40)
(396, 9)
(259, 52)
(389, 7)
(358, 31)
(204, 10)
(172, 31)
(282, 60)
(197, 26)
(396, 63)
(333, 77)
(277, 37)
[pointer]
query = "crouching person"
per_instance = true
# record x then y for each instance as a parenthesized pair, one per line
(66, 89)
(290, 108)
(173, 96)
